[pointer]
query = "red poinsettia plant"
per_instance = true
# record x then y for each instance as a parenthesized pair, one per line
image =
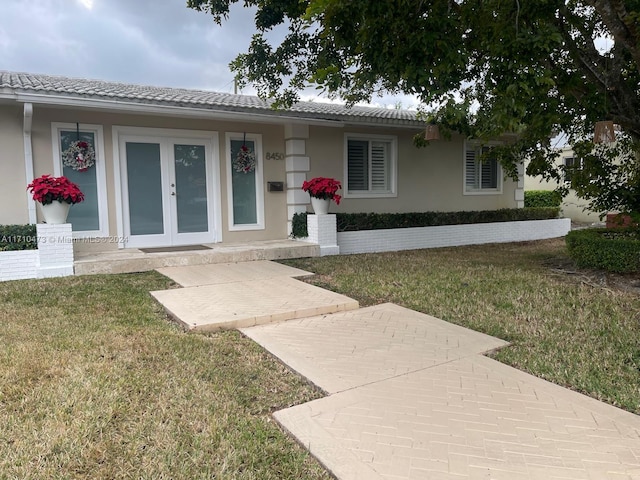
(322, 187)
(47, 189)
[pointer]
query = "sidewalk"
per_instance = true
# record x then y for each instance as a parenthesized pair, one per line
(413, 397)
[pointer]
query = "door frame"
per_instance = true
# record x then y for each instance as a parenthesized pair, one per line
(210, 139)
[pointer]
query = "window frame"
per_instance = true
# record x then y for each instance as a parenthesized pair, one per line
(477, 146)
(393, 166)
(101, 173)
(577, 165)
(256, 138)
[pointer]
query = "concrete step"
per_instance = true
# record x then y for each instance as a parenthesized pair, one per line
(244, 294)
(134, 260)
(224, 306)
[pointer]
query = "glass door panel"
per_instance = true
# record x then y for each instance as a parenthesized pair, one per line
(144, 176)
(191, 188)
(243, 184)
(83, 216)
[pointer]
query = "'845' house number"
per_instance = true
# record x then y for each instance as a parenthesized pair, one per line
(274, 156)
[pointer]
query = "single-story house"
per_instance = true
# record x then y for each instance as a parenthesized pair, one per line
(178, 167)
(573, 207)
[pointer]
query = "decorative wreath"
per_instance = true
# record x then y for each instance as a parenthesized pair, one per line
(245, 161)
(80, 156)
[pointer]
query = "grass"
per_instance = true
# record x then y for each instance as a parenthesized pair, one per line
(95, 383)
(562, 329)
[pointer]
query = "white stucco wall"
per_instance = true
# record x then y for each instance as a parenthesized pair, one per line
(572, 207)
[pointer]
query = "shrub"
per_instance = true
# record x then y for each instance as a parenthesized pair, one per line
(299, 225)
(542, 198)
(18, 237)
(603, 249)
(351, 222)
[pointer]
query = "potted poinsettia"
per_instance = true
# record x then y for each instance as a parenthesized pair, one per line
(55, 196)
(322, 190)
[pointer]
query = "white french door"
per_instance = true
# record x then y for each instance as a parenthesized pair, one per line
(167, 190)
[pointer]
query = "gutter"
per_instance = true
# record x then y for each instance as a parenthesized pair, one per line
(28, 158)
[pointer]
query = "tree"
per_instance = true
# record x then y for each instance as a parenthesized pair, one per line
(484, 68)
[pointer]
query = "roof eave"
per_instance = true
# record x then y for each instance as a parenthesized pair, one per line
(251, 114)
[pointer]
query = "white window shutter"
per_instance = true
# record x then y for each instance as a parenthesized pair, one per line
(490, 173)
(471, 170)
(380, 166)
(358, 165)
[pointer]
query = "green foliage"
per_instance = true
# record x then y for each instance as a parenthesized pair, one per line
(299, 225)
(529, 69)
(18, 237)
(349, 222)
(611, 250)
(609, 176)
(353, 222)
(542, 198)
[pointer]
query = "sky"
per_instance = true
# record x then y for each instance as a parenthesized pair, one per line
(148, 42)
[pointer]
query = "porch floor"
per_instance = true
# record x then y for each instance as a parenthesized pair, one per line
(131, 260)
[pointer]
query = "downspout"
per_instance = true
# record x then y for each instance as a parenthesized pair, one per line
(28, 158)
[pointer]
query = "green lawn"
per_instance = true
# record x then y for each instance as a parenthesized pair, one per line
(95, 383)
(562, 327)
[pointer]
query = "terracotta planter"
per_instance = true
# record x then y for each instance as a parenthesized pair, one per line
(320, 205)
(618, 220)
(55, 213)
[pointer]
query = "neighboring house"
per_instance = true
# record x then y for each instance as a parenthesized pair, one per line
(164, 172)
(572, 207)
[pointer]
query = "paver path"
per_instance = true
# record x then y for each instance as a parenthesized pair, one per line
(409, 396)
(413, 398)
(235, 295)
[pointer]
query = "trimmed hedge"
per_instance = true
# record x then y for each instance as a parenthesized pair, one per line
(18, 237)
(352, 222)
(299, 225)
(542, 199)
(603, 249)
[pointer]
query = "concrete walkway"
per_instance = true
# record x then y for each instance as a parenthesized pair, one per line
(413, 397)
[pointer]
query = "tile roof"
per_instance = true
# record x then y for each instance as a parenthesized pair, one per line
(12, 83)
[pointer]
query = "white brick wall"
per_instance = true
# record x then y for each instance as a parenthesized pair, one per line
(18, 265)
(55, 246)
(322, 230)
(54, 257)
(368, 241)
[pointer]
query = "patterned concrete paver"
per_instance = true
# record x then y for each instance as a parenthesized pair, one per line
(418, 401)
(236, 295)
(197, 275)
(411, 396)
(338, 352)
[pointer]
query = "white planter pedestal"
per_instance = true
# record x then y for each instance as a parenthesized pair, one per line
(322, 230)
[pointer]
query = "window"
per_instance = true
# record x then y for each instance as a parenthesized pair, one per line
(88, 218)
(370, 166)
(571, 165)
(481, 171)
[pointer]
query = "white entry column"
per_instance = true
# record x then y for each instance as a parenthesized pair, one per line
(297, 166)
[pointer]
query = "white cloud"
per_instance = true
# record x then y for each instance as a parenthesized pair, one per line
(154, 42)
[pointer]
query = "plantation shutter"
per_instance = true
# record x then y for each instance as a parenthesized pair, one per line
(490, 173)
(471, 169)
(379, 166)
(358, 165)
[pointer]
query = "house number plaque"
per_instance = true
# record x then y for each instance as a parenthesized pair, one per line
(274, 156)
